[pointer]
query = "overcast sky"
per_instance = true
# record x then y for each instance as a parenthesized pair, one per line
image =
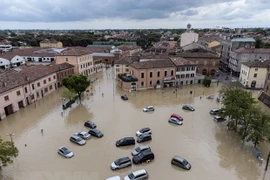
(139, 14)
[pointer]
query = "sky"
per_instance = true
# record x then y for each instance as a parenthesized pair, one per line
(132, 14)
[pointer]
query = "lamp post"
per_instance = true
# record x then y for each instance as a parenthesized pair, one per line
(10, 135)
(63, 100)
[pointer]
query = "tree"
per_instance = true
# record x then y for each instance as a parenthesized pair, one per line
(207, 81)
(76, 83)
(259, 43)
(68, 94)
(7, 152)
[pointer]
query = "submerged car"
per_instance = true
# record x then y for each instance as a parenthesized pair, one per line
(148, 108)
(125, 141)
(137, 175)
(180, 162)
(83, 134)
(64, 151)
(90, 124)
(175, 121)
(144, 156)
(214, 111)
(177, 116)
(95, 132)
(121, 163)
(140, 149)
(78, 140)
(113, 178)
(144, 138)
(219, 118)
(146, 130)
(124, 97)
(188, 107)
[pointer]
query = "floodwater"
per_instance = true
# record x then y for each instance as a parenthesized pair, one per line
(213, 151)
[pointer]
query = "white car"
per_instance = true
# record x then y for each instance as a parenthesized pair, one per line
(114, 178)
(148, 108)
(83, 134)
(137, 175)
(146, 130)
(175, 121)
(65, 152)
(140, 149)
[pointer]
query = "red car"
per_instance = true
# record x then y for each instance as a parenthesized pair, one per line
(177, 117)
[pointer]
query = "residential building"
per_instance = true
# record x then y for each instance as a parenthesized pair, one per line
(128, 50)
(253, 74)
(107, 58)
(122, 65)
(188, 37)
(8, 60)
(265, 95)
(231, 44)
(148, 73)
(241, 55)
(5, 47)
(62, 70)
(50, 44)
(22, 86)
(186, 71)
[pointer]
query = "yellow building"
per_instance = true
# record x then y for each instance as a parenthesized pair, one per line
(213, 43)
(50, 44)
(253, 73)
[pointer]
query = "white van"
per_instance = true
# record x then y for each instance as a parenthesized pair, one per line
(114, 178)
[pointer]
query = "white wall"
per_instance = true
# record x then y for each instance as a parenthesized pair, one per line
(188, 37)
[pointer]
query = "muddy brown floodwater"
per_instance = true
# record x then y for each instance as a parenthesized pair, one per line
(213, 152)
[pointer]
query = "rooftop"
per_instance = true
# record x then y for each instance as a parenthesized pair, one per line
(258, 63)
(49, 41)
(103, 54)
(127, 60)
(152, 63)
(197, 55)
(179, 61)
(243, 40)
(128, 47)
(253, 50)
(79, 51)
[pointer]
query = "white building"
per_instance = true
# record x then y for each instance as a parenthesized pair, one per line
(10, 60)
(188, 37)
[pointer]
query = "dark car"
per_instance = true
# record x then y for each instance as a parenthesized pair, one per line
(219, 118)
(144, 156)
(125, 141)
(121, 163)
(180, 162)
(214, 111)
(124, 97)
(144, 137)
(90, 124)
(95, 132)
(188, 107)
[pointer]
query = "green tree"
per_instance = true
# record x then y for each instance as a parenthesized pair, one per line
(259, 43)
(7, 152)
(176, 38)
(76, 83)
(68, 94)
(207, 81)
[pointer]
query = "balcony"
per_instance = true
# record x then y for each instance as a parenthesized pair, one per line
(127, 78)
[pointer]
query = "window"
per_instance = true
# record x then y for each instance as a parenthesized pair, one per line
(171, 72)
(182, 76)
(49, 79)
(183, 69)
(46, 89)
(165, 73)
(44, 81)
(255, 75)
(53, 76)
(142, 75)
(50, 87)
(142, 84)
(33, 97)
(151, 74)
(256, 69)
(188, 68)
(193, 68)
(66, 59)
(25, 89)
(191, 75)
(117, 65)
(117, 70)
(127, 70)
(150, 83)
(33, 86)
(187, 75)
(18, 93)
(126, 65)
(214, 63)
(158, 74)
(205, 62)
(38, 94)
(6, 98)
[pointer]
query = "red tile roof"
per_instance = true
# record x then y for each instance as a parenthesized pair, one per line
(259, 51)
(179, 61)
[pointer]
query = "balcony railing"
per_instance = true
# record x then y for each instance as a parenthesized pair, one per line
(127, 78)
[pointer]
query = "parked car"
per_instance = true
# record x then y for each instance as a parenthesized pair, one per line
(114, 178)
(146, 130)
(78, 140)
(148, 108)
(95, 132)
(124, 97)
(144, 137)
(140, 149)
(180, 162)
(177, 116)
(188, 107)
(175, 121)
(214, 111)
(144, 156)
(83, 134)
(121, 163)
(90, 124)
(125, 141)
(137, 175)
(219, 118)
(64, 151)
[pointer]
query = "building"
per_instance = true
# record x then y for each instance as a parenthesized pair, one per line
(231, 44)
(50, 44)
(62, 70)
(148, 73)
(128, 50)
(241, 55)
(8, 60)
(186, 71)
(253, 74)
(106, 58)
(265, 95)
(22, 86)
(122, 65)
(188, 37)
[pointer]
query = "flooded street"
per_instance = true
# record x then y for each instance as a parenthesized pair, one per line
(212, 150)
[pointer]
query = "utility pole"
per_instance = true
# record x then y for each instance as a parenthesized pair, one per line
(267, 161)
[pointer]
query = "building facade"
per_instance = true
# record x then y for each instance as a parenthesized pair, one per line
(50, 44)
(128, 50)
(122, 65)
(253, 74)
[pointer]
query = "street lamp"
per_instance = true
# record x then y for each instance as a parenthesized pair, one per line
(10, 135)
